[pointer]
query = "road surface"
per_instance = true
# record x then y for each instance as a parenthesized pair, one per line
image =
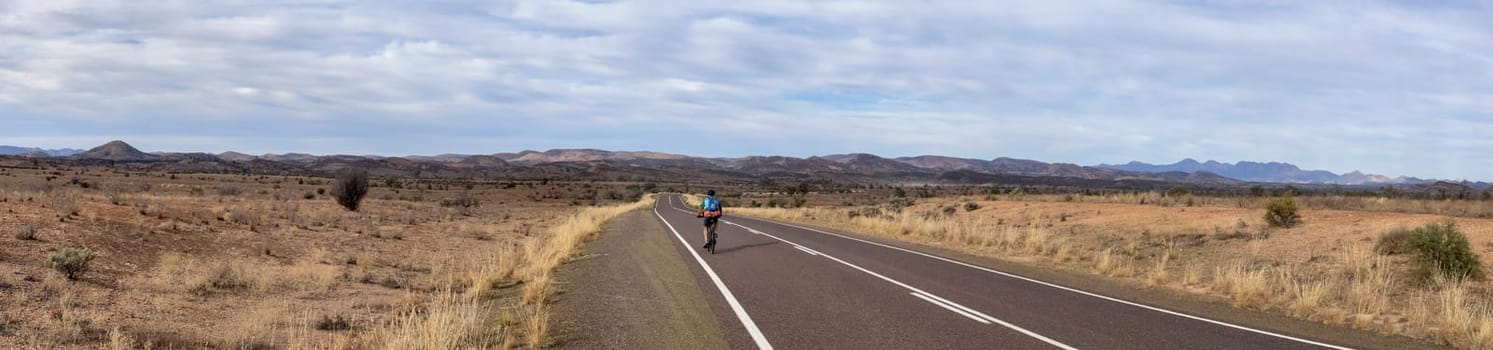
(775, 285)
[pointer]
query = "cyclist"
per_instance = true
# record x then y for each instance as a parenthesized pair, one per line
(710, 209)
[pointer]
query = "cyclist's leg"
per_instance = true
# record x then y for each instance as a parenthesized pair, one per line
(707, 229)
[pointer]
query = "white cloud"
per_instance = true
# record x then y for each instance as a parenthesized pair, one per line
(1332, 85)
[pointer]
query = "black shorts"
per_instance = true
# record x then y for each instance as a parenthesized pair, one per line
(710, 221)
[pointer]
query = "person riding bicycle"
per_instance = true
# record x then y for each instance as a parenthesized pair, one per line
(710, 209)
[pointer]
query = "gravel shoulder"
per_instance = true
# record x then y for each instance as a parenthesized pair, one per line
(631, 289)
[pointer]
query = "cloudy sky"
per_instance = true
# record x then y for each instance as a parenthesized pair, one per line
(1400, 88)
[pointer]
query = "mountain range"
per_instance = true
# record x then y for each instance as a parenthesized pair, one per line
(1267, 172)
(643, 165)
(652, 166)
(37, 152)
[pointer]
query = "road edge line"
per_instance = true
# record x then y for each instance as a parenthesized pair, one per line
(746, 321)
(1008, 325)
(1073, 290)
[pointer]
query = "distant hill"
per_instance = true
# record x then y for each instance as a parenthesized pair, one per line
(116, 151)
(1275, 172)
(35, 152)
(862, 168)
(595, 164)
(236, 157)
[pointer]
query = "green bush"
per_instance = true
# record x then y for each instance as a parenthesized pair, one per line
(1393, 242)
(971, 206)
(1440, 249)
(71, 262)
(1281, 212)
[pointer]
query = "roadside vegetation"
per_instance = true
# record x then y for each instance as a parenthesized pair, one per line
(468, 305)
(93, 257)
(1426, 281)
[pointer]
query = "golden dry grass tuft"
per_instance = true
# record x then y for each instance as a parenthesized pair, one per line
(255, 329)
(449, 322)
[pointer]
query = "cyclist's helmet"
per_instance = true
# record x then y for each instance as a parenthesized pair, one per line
(710, 193)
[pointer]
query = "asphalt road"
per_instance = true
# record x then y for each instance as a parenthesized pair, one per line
(775, 285)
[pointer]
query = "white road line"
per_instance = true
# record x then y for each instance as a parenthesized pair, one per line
(950, 308)
(746, 321)
(807, 250)
(965, 310)
(914, 289)
(1143, 306)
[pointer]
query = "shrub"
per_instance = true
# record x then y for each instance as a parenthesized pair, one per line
(1281, 212)
(1176, 191)
(350, 187)
(333, 324)
(971, 206)
(1441, 249)
(71, 262)
(463, 201)
(27, 232)
(1393, 242)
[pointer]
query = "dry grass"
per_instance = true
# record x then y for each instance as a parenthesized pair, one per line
(118, 340)
(1458, 316)
(200, 266)
(255, 329)
(449, 322)
(69, 322)
(476, 321)
(1159, 274)
(204, 277)
(1245, 286)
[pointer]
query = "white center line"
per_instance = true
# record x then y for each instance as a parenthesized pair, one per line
(930, 295)
(950, 308)
(807, 250)
(1065, 288)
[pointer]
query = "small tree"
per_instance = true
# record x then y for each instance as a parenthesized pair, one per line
(350, 187)
(1281, 212)
(70, 262)
(1442, 249)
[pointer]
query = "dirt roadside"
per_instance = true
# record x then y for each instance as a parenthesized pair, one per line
(630, 289)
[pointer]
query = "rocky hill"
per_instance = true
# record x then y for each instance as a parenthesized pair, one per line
(116, 151)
